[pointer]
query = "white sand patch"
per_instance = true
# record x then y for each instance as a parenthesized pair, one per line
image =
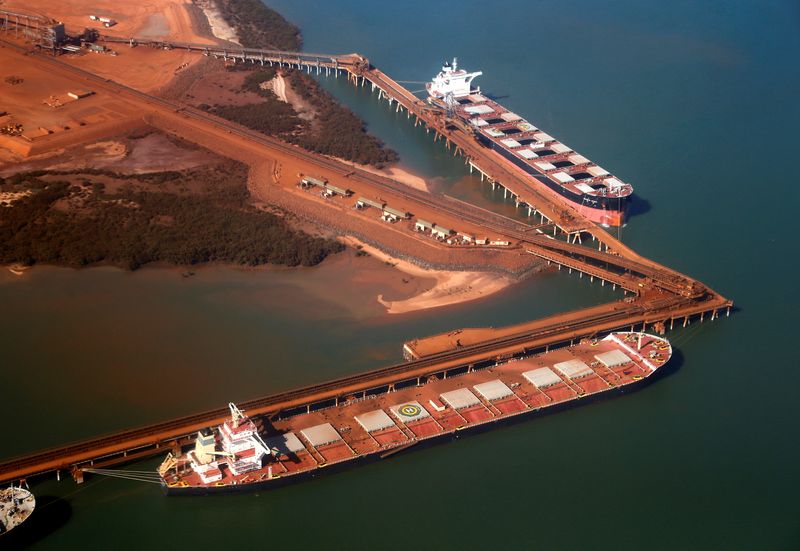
(279, 87)
(394, 173)
(451, 287)
(219, 27)
(286, 94)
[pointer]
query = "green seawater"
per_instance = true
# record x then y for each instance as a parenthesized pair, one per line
(694, 103)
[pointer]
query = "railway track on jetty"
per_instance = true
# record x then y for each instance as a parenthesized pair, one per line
(660, 294)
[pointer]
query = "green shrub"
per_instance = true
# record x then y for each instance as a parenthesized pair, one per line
(127, 229)
(260, 27)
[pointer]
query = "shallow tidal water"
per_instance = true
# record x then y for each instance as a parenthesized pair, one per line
(694, 103)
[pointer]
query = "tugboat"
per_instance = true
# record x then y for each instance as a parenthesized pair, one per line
(16, 505)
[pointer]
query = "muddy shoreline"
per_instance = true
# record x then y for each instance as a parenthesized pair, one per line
(432, 275)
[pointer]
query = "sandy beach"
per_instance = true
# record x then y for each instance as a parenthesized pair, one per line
(451, 287)
(395, 173)
(219, 27)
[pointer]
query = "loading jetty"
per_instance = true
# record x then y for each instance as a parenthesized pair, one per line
(656, 298)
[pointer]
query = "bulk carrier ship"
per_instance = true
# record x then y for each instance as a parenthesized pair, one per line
(239, 455)
(598, 195)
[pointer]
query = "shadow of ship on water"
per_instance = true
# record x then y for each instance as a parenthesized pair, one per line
(638, 205)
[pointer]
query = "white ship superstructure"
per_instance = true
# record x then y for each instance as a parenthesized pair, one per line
(236, 447)
(452, 80)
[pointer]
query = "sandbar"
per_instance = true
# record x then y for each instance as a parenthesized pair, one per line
(451, 287)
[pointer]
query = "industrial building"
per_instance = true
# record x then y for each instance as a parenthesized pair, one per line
(45, 33)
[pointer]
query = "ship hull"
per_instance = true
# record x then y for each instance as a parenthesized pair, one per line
(607, 211)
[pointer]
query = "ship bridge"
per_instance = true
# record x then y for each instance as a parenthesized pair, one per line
(452, 80)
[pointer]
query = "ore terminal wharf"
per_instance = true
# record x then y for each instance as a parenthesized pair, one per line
(657, 298)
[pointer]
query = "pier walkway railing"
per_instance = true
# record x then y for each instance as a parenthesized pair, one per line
(240, 54)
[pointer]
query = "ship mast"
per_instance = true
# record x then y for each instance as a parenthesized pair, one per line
(236, 414)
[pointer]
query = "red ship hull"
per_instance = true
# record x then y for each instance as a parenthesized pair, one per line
(368, 427)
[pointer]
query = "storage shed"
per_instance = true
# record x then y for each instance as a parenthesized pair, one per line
(422, 225)
(337, 191)
(308, 181)
(363, 202)
(441, 232)
(399, 214)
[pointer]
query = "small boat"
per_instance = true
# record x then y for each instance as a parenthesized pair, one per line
(17, 269)
(16, 505)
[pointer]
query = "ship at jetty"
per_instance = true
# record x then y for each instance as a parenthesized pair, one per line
(16, 506)
(598, 195)
(243, 454)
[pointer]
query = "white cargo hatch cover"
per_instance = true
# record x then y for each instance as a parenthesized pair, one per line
(375, 420)
(320, 435)
(542, 377)
(493, 390)
(574, 368)
(461, 398)
(613, 358)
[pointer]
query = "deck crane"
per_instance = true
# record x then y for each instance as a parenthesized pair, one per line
(238, 415)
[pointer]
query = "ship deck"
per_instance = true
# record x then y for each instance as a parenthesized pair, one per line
(378, 424)
(538, 150)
